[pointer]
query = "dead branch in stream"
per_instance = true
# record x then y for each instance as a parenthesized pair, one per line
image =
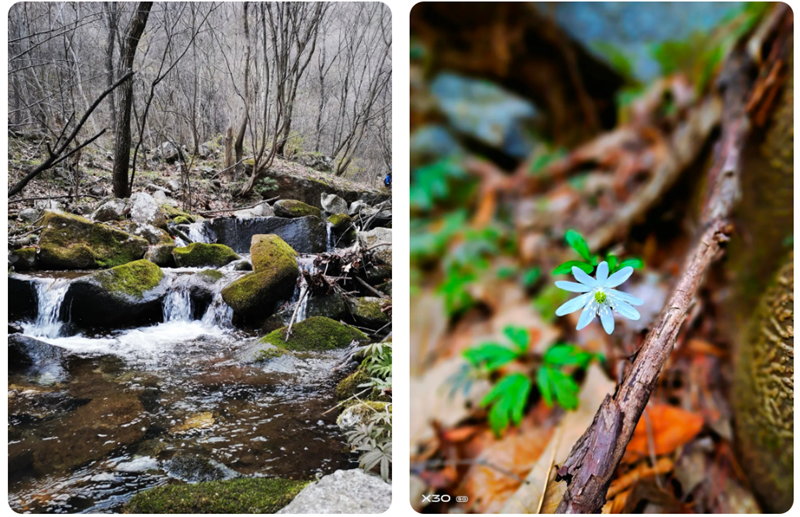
(594, 458)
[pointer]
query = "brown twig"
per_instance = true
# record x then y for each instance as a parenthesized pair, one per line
(369, 288)
(595, 457)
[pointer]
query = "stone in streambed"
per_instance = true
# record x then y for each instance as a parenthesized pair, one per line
(42, 362)
(146, 210)
(193, 468)
(256, 295)
(22, 300)
(112, 210)
(379, 240)
(73, 242)
(344, 492)
(292, 208)
(368, 311)
(123, 295)
(331, 305)
(315, 333)
(333, 204)
(23, 259)
(303, 234)
(360, 413)
(161, 255)
(199, 254)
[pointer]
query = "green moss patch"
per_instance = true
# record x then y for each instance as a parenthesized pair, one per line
(269, 353)
(315, 333)
(181, 220)
(73, 242)
(348, 386)
(173, 213)
(294, 208)
(132, 279)
(271, 253)
(340, 222)
(249, 495)
(211, 275)
(200, 254)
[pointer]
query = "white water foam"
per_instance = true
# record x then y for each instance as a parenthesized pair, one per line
(50, 294)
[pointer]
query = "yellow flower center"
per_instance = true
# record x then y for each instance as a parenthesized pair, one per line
(600, 296)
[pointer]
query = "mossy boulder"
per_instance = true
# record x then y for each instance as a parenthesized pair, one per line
(249, 495)
(315, 333)
(23, 259)
(340, 222)
(73, 242)
(385, 288)
(369, 312)
(124, 295)
(360, 411)
(255, 296)
(174, 213)
(270, 251)
(210, 275)
(181, 220)
(200, 254)
(292, 208)
(348, 386)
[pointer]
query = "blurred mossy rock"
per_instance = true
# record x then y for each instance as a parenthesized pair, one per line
(112, 210)
(247, 495)
(333, 204)
(200, 254)
(315, 333)
(385, 288)
(255, 296)
(161, 255)
(22, 299)
(369, 312)
(760, 272)
(146, 210)
(72, 242)
(349, 386)
(292, 208)
(379, 241)
(23, 259)
(125, 295)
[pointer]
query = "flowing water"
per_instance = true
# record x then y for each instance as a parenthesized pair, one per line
(132, 400)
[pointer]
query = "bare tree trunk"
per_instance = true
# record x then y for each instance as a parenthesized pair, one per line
(229, 152)
(122, 138)
(111, 17)
(239, 146)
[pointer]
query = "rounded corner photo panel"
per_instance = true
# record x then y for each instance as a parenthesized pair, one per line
(199, 235)
(601, 253)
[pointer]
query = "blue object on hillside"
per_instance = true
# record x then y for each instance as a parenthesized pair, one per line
(387, 181)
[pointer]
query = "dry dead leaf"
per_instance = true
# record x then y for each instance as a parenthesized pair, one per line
(528, 498)
(643, 471)
(617, 504)
(672, 427)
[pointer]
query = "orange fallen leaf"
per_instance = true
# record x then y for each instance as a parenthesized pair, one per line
(671, 428)
(643, 471)
(617, 505)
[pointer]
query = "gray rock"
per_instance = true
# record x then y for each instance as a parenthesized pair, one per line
(28, 215)
(112, 210)
(145, 209)
(97, 190)
(160, 196)
(168, 152)
(304, 234)
(41, 361)
(242, 265)
(48, 204)
(193, 468)
(316, 161)
(373, 238)
(204, 151)
(333, 204)
(357, 206)
(174, 185)
(23, 259)
(344, 492)
(150, 233)
(161, 255)
(262, 210)
(370, 218)
(431, 143)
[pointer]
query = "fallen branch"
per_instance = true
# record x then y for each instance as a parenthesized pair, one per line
(369, 288)
(594, 458)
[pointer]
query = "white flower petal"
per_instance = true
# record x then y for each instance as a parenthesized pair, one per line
(602, 273)
(607, 318)
(619, 277)
(626, 310)
(573, 287)
(587, 315)
(582, 277)
(623, 296)
(573, 305)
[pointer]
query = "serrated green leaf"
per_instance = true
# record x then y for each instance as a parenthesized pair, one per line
(531, 276)
(566, 267)
(490, 356)
(567, 355)
(565, 388)
(578, 243)
(518, 336)
(507, 398)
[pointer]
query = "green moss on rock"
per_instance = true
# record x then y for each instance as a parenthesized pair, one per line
(294, 208)
(249, 495)
(347, 387)
(368, 312)
(270, 253)
(340, 222)
(23, 259)
(132, 279)
(73, 242)
(181, 220)
(315, 333)
(200, 254)
(211, 275)
(173, 213)
(269, 353)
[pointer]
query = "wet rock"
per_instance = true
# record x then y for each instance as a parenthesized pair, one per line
(28, 215)
(340, 221)
(199, 254)
(380, 242)
(333, 204)
(255, 296)
(378, 273)
(360, 413)
(112, 210)
(139, 464)
(487, 112)
(72, 242)
(304, 234)
(344, 492)
(146, 210)
(248, 495)
(332, 306)
(315, 333)
(23, 259)
(203, 420)
(368, 312)
(292, 208)
(150, 233)
(22, 300)
(161, 255)
(124, 295)
(344, 234)
(193, 468)
(242, 265)
(262, 210)
(41, 362)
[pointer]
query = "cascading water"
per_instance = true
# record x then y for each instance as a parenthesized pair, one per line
(200, 232)
(50, 294)
(331, 245)
(301, 293)
(177, 305)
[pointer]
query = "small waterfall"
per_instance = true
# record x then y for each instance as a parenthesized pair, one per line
(219, 313)
(177, 305)
(50, 294)
(301, 294)
(199, 232)
(331, 245)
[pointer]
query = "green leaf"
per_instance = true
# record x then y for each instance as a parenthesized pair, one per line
(566, 267)
(564, 354)
(519, 336)
(612, 262)
(490, 356)
(565, 388)
(531, 276)
(507, 398)
(546, 390)
(635, 263)
(578, 243)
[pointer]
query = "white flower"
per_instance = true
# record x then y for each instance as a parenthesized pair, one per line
(599, 297)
